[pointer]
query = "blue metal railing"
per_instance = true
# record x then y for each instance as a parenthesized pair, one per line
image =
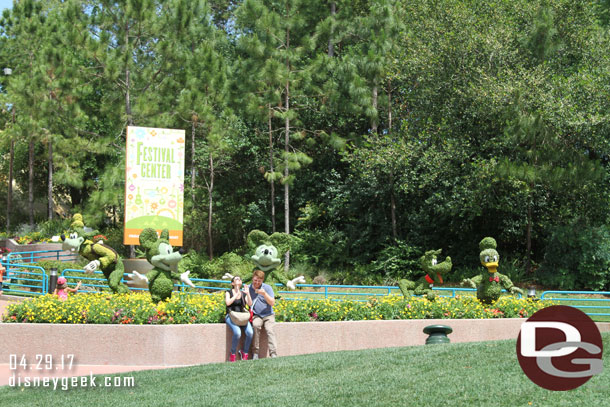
(37, 279)
(604, 303)
(389, 289)
(32, 257)
(17, 281)
(87, 280)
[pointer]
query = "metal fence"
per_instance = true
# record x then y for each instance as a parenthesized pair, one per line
(32, 257)
(26, 279)
(594, 304)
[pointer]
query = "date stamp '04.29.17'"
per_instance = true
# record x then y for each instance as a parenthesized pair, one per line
(57, 372)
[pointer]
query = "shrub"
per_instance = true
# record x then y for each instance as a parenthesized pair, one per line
(54, 227)
(115, 240)
(233, 263)
(24, 229)
(398, 261)
(577, 257)
(229, 262)
(320, 248)
(359, 274)
(194, 262)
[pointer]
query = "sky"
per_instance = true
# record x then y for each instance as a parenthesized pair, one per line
(6, 4)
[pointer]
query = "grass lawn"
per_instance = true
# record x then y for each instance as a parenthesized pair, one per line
(472, 374)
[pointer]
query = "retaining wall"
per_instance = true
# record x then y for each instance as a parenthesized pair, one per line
(183, 345)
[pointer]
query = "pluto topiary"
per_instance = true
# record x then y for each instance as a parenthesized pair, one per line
(435, 272)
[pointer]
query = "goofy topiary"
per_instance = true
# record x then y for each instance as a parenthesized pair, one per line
(101, 256)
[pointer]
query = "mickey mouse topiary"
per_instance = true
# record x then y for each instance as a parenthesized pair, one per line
(160, 254)
(489, 283)
(266, 257)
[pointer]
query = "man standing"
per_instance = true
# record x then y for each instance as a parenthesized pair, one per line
(263, 300)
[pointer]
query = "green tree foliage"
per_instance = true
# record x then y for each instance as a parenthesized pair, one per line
(392, 127)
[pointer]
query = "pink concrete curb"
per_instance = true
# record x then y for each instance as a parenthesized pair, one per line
(104, 349)
(183, 345)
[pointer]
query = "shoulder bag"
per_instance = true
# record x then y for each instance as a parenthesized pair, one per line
(240, 318)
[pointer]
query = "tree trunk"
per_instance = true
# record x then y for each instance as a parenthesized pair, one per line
(9, 196)
(393, 209)
(331, 46)
(210, 208)
(132, 249)
(31, 181)
(271, 170)
(528, 264)
(50, 186)
(127, 86)
(374, 120)
(390, 107)
(287, 151)
(193, 175)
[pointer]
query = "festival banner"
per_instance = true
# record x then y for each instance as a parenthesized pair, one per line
(154, 183)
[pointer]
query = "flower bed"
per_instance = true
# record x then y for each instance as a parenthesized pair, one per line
(399, 307)
(198, 309)
(30, 238)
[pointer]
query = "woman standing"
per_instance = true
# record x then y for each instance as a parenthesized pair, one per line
(236, 300)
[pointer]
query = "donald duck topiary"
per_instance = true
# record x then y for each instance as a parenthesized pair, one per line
(489, 283)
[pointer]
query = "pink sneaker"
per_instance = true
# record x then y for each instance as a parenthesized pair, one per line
(243, 356)
(232, 357)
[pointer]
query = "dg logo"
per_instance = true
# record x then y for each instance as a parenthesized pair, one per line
(560, 348)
